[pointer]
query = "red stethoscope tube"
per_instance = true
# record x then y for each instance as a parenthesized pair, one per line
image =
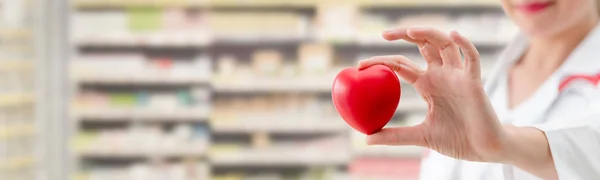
(593, 79)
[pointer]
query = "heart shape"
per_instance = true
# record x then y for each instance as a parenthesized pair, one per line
(593, 79)
(366, 99)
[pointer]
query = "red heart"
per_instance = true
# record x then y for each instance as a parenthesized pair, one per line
(366, 99)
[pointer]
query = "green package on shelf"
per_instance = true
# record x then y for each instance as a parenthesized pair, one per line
(84, 140)
(123, 99)
(144, 19)
(185, 98)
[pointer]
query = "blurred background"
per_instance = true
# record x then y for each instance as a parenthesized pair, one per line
(207, 89)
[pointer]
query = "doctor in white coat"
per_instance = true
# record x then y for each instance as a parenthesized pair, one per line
(537, 117)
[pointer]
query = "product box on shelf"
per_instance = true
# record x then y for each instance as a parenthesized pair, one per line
(257, 26)
(267, 62)
(315, 58)
(336, 21)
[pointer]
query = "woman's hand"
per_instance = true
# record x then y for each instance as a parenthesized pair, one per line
(460, 121)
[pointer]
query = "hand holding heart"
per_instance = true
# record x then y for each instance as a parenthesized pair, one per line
(460, 122)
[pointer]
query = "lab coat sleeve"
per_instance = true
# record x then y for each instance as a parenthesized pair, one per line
(575, 146)
(436, 166)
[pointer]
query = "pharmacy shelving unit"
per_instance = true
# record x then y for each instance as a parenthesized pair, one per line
(268, 82)
(17, 104)
(29, 147)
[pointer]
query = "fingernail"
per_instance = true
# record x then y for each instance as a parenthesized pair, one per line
(359, 65)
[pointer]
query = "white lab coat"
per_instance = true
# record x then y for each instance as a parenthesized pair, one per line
(570, 118)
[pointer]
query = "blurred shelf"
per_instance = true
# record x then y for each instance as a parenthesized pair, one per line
(390, 152)
(141, 79)
(15, 65)
(274, 4)
(186, 153)
(289, 127)
(167, 41)
(136, 3)
(17, 162)
(90, 4)
(15, 99)
(102, 114)
(17, 131)
(149, 42)
(277, 159)
(322, 85)
(245, 40)
(161, 119)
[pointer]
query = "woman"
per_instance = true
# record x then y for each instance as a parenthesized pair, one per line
(536, 118)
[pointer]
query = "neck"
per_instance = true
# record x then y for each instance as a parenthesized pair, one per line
(548, 53)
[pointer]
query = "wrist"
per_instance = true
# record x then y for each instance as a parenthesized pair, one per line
(528, 149)
(509, 151)
(501, 149)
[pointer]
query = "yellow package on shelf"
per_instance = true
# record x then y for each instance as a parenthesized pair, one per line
(225, 148)
(80, 176)
(144, 19)
(17, 130)
(15, 65)
(14, 32)
(233, 176)
(17, 162)
(15, 99)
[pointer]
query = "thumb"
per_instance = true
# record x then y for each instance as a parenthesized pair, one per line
(398, 136)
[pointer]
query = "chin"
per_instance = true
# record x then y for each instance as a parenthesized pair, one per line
(540, 29)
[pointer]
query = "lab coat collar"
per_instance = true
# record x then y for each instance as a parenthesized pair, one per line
(585, 58)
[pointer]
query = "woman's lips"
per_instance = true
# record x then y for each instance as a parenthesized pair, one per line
(534, 7)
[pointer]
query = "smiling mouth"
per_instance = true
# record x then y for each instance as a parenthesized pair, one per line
(534, 7)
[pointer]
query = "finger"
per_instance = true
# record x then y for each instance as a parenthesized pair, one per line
(405, 68)
(400, 34)
(398, 136)
(429, 53)
(448, 51)
(472, 59)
